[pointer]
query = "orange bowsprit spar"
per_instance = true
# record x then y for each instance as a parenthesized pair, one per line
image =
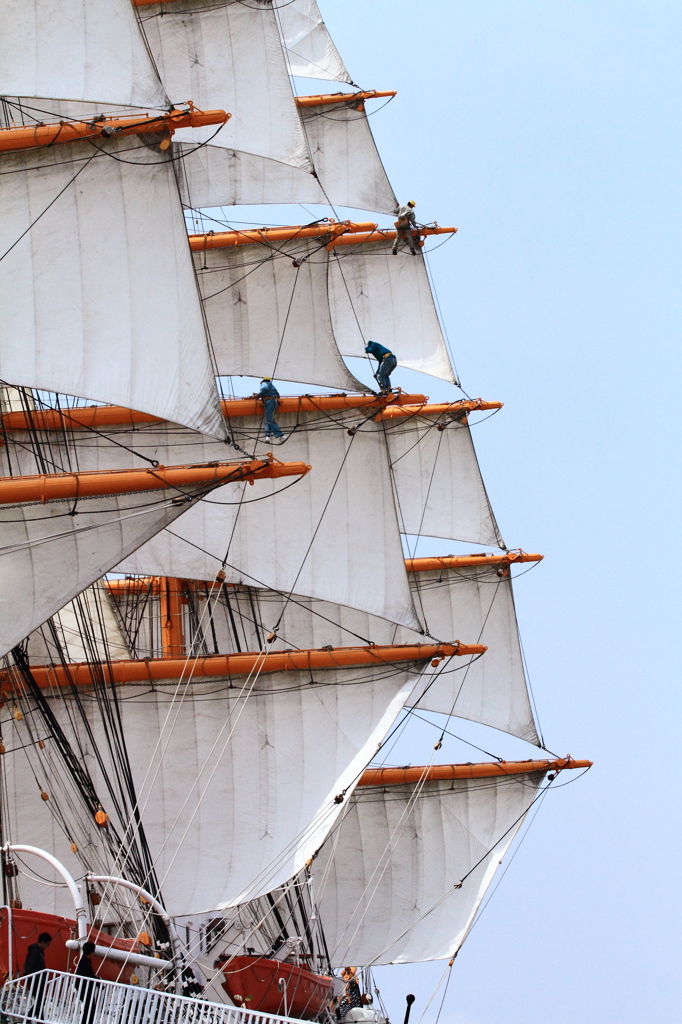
(158, 669)
(446, 772)
(56, 132)
(46, 487)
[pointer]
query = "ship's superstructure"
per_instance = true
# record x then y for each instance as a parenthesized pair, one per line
(206, 647)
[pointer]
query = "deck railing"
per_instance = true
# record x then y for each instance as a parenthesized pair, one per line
(52, 997)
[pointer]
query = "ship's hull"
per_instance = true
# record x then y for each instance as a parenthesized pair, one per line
(273, 986)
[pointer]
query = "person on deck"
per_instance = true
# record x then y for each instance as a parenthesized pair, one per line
(33, 964)
(351, 996)
(269, 395)
(87, 992)
(387, 364)
(406, 228)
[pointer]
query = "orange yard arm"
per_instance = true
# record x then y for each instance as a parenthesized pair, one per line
(154, 583)
(466, 561)
(445, 772)
(221, 239)
(32, 136)
(383, 235)
(101, 416)
(157, 669)
(56, 486)
(342, 97)
(472, 405)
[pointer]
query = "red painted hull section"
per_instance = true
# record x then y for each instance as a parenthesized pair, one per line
(27, 926)
(251, 982)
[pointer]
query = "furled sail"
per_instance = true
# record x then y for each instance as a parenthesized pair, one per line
(439, 487)
(333, 535)
(50, 552)
(380, 297)
(268, 316)
(97, 280)
(310, 49)
(262, 760)
(387, 879)
(228, 56)
(77, 50)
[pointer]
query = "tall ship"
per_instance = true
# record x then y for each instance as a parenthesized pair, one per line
(216, 627)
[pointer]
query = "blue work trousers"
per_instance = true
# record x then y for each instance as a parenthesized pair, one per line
(384, 372)
(271, 425)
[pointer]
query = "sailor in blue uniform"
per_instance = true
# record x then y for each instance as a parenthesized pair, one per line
(269, 395)
(387, 363)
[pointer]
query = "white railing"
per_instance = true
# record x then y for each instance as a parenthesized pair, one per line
(52, 997)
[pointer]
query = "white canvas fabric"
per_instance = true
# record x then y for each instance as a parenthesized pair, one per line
(262, 760)
(47, 556)
(386, 879)
(97, 290)
(333, 534)
(470, 605)
(391, 298)
(439, 488)
(348, 168)
(266, 316)
(346, 158)
(77, 50)
(310, 49)
(84, 629)
(228, 56)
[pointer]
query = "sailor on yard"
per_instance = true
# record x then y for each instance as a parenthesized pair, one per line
(269, 396)
(406, 228)
(387, 363)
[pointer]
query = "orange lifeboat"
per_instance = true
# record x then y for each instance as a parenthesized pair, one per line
(21, 928)
(275, 986)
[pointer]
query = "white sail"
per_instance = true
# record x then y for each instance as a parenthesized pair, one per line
(476, 606)
(380, 297)
(262, 761)
(387, 878)
(86, 629)
(346, 158)
(333, 534)
(48, 555)
(97, 281)
(228, 56)
(310, 49)
(77, 50)
(439, 488)
(473, 605)
(348, 168)
(267, 316)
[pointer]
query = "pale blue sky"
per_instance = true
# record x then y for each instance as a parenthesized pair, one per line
(549, 134)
